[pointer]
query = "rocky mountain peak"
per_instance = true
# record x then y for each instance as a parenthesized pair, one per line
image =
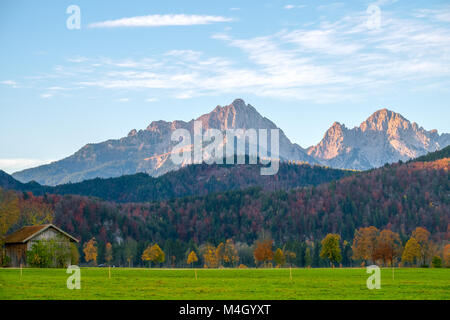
(159, 125)
(132, 133)
(385, 120)
(237, 115)
(239, 103)
(336, 128)
(385, 137)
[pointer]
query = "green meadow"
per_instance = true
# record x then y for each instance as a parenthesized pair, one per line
(218, 284)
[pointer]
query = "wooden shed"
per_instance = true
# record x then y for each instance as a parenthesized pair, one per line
(18, 243)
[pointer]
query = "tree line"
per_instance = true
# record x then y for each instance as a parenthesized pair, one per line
(369, 246)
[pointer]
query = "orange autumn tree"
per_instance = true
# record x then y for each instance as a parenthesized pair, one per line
(447, 256)
(263, 251)
(90, 251)
(364, 243)
(108, 253)
(388, 247)
(227, 253)
(210, 257)
(231, 255)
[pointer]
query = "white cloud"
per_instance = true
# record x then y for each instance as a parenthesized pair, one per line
(158, 20)
(46, 95)
(323, 41)
(10, 83)
(291, 6)
(14, 165)
(332, 61)
(151, 100)
(123, 100)
(442, 15)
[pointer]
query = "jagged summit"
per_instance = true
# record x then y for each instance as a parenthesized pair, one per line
(386, 136)
(237, 115)
(149, 150)
(385, 120)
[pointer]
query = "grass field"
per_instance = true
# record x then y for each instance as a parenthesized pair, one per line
(251, 284)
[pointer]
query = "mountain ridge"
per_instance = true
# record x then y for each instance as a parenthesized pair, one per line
(149, 150)
(384, 137)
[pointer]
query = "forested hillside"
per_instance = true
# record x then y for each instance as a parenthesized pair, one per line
(399, 197)
(433, 156)
(193, 180)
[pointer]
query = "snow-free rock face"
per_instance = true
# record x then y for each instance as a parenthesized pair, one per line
(385, 137)
(150, 150)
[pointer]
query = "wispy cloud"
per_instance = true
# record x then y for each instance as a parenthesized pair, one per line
(442, 15)
(293, 6)
(10, 83)
(332, 61)
(159, 20)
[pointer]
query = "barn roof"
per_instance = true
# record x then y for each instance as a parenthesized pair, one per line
(26, 233)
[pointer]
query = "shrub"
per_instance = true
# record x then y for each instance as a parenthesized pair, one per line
(49, 253)
(436, 262)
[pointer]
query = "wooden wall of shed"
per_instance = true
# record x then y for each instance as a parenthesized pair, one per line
(17, 254)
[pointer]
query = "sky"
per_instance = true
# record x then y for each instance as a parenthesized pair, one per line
(302, 64)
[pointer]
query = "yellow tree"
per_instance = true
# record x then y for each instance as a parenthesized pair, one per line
(192, 258)
(422, 236)
(154, 254)
(108, 253)
(90, 251)
(279, 257)
(412, 251)
(227, 253)
(331, 249)
(364, 243)
(210, 256)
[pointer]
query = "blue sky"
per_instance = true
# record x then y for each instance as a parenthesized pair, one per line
(303, 64)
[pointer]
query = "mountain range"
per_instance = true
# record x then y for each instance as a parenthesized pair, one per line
(385, 137)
